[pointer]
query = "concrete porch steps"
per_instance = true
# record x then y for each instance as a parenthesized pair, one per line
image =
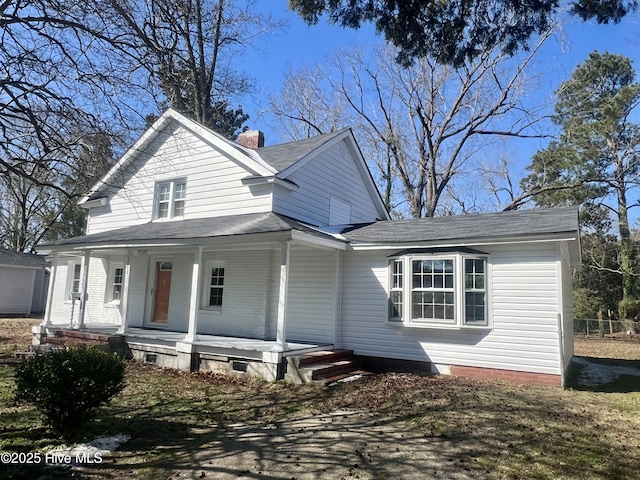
(325, 366)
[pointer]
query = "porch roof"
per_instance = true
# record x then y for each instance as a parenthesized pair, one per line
(193, 229)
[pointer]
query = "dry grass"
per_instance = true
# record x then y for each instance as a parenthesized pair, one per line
(619, 347)
(394, 425)
(15, 335)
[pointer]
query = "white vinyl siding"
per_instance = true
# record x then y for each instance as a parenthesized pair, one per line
(523, 307)
(333, 173)
(339, 211)
(311, 301)
(16, 290)
(214, 186)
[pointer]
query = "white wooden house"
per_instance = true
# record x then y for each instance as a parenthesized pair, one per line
(204, 253)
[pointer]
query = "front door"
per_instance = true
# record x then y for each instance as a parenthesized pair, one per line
(162, 292)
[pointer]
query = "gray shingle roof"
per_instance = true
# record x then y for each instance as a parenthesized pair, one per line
(16, 259)
(461, 227)
(284, 155)
(268, 222)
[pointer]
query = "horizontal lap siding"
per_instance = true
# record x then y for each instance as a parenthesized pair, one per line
(311, 299)
(332, 173)
(214, 186)
(16, 289)
(524, 310)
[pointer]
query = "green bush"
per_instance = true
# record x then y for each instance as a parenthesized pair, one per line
(67, 386)
(629, 310)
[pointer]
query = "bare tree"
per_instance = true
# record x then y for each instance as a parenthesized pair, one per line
(187, 48)
(426, 122)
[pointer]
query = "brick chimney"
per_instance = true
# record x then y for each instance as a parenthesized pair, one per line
(251, 139)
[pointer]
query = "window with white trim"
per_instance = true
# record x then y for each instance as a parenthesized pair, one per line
(74, 273)
(213, 284)
(170, 199)
(115, 283)
(437, 290)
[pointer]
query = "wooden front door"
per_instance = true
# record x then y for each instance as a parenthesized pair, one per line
(162, 292)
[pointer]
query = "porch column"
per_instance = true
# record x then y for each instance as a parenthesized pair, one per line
(50, 290)
(281, 327)
(83, 288)
(124, 322)
(194, 303)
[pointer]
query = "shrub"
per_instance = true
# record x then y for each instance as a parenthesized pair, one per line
(67, 386)
(629, 311)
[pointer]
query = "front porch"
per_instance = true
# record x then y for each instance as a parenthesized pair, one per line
(212, 353)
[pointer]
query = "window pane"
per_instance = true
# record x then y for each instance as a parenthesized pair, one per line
(75, 286)
(181, 191)
(448, 281)
(448, 266)
(164, 193)
(395, 305)
(163, 210)
(215, 297)
(117, 277)
(178, 208)
(438, 281)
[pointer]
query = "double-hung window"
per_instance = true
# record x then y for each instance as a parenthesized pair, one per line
(438, 290)
(115, 283)
(74, 273)
(213, 285)
(170, 199)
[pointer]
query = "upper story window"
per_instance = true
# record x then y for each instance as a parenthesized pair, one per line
(170, 199)
(438, 290)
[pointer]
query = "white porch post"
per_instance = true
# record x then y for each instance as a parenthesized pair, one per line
(83, 288)
(124, 322)
(281, 327)
(194, 303)
(50, 290)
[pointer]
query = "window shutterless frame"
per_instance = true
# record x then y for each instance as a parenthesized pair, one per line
(439, 290)
(170, 199)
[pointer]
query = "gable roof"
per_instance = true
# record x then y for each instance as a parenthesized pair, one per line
(17, 259)
(197, 228)
(458, 228)
(284, 155)
(242, 154)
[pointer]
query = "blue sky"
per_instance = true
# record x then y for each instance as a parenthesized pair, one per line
(302, 45)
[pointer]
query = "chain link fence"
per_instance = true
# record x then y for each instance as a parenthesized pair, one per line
(601, 327)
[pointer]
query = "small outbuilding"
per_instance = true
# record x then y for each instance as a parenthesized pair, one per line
(23, 283)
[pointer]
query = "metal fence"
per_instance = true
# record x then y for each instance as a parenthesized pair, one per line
(605, 326)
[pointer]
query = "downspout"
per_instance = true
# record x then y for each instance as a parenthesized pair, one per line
(561, 349)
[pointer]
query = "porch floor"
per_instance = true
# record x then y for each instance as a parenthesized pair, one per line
(170, 338)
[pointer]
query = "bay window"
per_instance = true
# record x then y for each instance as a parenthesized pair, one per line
(438, 290)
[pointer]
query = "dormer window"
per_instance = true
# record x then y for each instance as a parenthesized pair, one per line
(170, 199)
